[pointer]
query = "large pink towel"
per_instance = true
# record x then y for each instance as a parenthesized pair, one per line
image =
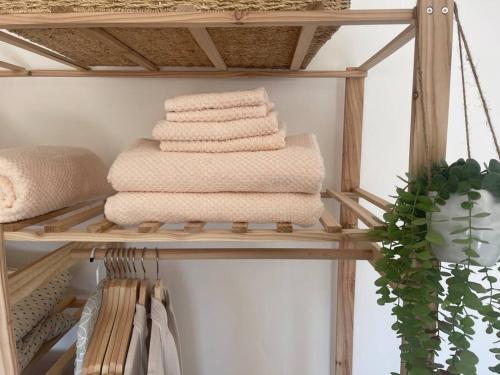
(298, 168)
(223, 114)
(269, 142)
(134, 208)
(216, 131)
(195, 102)
(36, 180)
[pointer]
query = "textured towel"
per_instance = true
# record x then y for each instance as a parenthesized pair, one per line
(135, 208)
(298, 168)
(224, 114)
(215, 131)
(269, 142)
(196, 102)
(39, 179)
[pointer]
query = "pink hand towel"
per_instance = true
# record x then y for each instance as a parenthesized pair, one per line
(224, 114)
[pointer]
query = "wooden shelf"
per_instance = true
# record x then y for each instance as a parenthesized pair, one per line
(62, 225)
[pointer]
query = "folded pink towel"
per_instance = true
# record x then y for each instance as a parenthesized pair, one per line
(135, 208)
(215, 131)
(298, 168)
(216, 100)
(224, 114)
(269, 142)
(36, 180)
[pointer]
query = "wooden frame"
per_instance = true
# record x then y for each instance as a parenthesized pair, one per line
(433, 31)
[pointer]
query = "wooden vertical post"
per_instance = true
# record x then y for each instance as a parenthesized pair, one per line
(8, 358)
(431, 100)
(350, 180)
(431, 87)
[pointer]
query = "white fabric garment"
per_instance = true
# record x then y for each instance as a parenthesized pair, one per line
(164, 349)
(137, 355)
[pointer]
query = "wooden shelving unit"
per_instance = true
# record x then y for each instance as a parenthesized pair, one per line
(336, 238)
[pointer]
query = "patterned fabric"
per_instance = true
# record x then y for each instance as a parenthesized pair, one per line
(137, 355)
(269, 142)
(196, 102)
(134, 208)
(48, 329)
(298, 168)
(39, 179)
(216, 131)
(31, 310)
(226, 114)
(164, 349)
(86, 326)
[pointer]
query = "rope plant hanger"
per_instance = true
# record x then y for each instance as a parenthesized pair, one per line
(442, 232)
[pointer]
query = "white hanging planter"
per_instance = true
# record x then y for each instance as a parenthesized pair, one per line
(489, 253)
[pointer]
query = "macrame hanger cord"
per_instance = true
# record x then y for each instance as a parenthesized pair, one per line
(463, 40)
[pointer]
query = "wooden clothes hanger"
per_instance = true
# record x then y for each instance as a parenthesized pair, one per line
(144, 286)
(158, 292)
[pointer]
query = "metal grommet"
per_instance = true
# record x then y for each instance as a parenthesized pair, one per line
(429, 10)
(445, 10)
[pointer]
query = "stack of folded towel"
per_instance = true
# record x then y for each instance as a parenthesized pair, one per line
(218, 158)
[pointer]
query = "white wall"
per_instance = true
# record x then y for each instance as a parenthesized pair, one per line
(264, 317)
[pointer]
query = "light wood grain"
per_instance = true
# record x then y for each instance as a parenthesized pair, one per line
(149, 227)
(194, 226)
(8, 356)
(240, 227)
(28, 46)
(374, 199)
(13, 67)
(434, 42)
(62, 225)
(284, 227)
(305, 38)
(202, 37)
(235, 73)
(170, 235)
(394, 45)
(116, 44)
(208, 19)
(330, 224)
(243, 253)
(63, 361)
(101, 226)
(359, 211)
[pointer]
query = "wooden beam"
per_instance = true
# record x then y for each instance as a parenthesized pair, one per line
(28, 46)
(149, 227)
(8, 355)
(359, 211)
(189, 74)
(113, 42)
(208, 19)
(243, 253)
(330, 224)
(374, 199)
(431, 90)
(63, 361)
(101, 226)
(350, 180)
(194, 226)
(240, 227)
(204, 40)
(303, 44)
(62, 225)
(12, 67)
(393, 46)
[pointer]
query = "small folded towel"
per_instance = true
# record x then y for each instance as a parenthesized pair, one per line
(216, 131)
(135, 208)
(298, 168)
(269, 142)
(195, 102)
(224, 114)
(38, 179)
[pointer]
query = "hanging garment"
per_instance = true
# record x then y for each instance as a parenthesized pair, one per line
(164, 348)
(137, 355)
(90, 313)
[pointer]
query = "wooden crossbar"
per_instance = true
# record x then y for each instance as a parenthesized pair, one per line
(305, 38)
(362, 213)
(374, 199)
(12, 67)
(61, 225)
(63, 361)
(204, 40)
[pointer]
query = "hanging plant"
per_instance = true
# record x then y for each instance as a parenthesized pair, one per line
(450, 213)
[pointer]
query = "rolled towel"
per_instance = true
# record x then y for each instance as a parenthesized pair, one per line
(216, 131)
(195, 102)
(224, 114)
(39, 179)
(135, 208)
(298, 168)
(269, 142)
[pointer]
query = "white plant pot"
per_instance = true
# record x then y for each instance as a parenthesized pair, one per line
(489, 253)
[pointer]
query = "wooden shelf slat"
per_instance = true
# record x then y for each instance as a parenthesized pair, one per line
(374, 199)
(149, 227)
(305, 38)
(61, 225)
(362, 213)
(101, 226)
(240, 227)
(204, 40)
(194, 226)
(284, 227)
(330, 224)
(63, 361)
(13, 67)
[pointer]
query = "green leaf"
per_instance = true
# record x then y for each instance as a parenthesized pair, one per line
(435, 238)
(481, 215)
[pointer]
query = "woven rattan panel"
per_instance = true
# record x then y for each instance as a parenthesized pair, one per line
(255, 47)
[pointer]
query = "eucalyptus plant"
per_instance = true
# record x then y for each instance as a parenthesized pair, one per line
(425, 292)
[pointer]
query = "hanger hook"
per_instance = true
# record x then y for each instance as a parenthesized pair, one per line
(92, 254)
(142, 263)
(105, 259)
(157, 264)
